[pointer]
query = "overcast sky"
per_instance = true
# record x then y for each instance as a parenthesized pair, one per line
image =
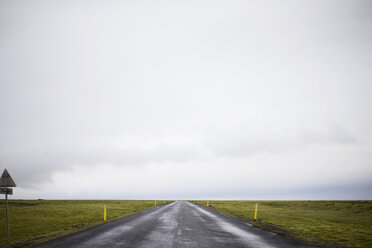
(186, 99)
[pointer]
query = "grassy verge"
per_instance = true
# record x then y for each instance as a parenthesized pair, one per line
(36, 221)
(325, 223)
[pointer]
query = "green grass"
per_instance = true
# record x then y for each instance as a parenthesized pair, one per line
(35, 221)
(328, 223)
(332, 223)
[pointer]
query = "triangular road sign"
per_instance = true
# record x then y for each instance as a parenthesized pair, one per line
(6, 180)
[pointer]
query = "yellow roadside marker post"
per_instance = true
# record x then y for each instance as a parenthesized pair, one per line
(255, 212)
(207, 203)
(155, 203)
(104, 213)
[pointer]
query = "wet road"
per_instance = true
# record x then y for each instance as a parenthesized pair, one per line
(179, 224)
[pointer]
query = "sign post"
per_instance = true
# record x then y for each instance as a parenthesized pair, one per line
(7, 181)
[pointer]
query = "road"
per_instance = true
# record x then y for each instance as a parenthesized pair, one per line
(179, 224)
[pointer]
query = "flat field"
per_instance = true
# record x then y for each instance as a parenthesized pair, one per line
(326, 223)
(34, 221)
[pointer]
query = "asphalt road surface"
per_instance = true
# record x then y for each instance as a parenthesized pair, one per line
(179, 224)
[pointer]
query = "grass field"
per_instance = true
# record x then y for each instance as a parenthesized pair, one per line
(328, 223)
(40, 220)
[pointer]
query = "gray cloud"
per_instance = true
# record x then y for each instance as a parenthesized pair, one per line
(240, 141)
(34, 166)
(186, 91)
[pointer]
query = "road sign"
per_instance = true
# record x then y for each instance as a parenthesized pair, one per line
(6, 180)
(8, 191)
